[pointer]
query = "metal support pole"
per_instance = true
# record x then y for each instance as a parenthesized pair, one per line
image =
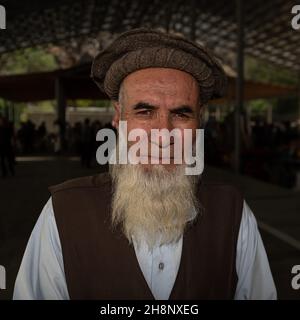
(13, 113)
(239, 82)
(193, 20)
(61, 111)
(6, 109)
(298, 120)
(168, 17)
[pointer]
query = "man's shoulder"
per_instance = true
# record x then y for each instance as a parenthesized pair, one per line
(93, 181)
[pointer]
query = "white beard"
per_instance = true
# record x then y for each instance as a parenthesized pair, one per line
(152, 206)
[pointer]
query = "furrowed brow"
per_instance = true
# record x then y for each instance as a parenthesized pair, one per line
(183, 109)
(144, 105)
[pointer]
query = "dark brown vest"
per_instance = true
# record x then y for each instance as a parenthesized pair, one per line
(100, 264)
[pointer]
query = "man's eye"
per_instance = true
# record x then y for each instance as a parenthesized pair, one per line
(181, 115)
(145, 113)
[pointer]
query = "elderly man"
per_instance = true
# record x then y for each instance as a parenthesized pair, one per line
(148, 231)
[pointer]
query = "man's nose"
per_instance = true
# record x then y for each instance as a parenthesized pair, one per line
(163, 121)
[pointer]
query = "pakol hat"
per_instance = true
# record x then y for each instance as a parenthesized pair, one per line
(146, 48)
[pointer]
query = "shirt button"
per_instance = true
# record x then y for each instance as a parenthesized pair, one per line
(161, 266)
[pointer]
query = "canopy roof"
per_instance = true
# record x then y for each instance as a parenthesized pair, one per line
(268, 31)
(78, 85)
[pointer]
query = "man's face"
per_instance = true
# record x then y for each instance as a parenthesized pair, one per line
(159, 98)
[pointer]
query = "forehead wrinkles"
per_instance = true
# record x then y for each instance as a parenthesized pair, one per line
(162, 87)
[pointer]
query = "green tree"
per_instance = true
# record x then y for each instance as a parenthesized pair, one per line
(265, 72)
(27, 61)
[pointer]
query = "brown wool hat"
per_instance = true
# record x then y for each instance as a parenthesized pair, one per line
(146, 48)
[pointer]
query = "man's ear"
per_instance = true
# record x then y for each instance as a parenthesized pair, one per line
(117, 115)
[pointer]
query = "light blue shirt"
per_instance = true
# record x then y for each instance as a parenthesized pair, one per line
(41, 275)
